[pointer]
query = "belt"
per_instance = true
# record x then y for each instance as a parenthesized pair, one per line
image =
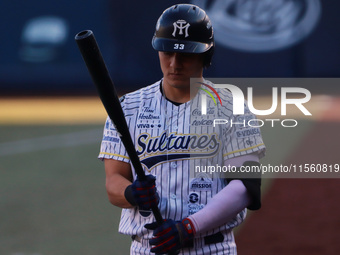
(212, 239)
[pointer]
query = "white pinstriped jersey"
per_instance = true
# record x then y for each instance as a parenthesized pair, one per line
(170, 141)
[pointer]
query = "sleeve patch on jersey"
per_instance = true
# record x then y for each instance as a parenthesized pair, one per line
(111, 139)
(248, 132)
(109, 126)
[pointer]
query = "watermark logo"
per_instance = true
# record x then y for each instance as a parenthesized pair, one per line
(233, 101)
(239, 99)
(204, 98)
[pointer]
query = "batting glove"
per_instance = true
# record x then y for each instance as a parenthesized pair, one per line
(171, 236)
(143, 193)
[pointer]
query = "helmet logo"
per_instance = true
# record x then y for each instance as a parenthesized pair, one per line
(181, 25)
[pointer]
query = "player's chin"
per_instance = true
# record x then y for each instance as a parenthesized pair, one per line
(178, 81)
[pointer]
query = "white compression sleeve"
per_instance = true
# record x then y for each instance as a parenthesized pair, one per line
(223, 207)
(226, 204)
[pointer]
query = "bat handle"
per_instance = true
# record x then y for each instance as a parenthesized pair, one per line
(156, 212)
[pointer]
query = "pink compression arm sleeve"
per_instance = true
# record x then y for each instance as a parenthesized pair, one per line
(226, 204)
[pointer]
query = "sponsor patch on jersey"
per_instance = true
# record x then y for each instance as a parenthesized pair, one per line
(147, 113)
(247, 132)
(193, 197)
(194, 208)
(142, 125)
(201, 183)
(197, 111)
(202, 123)
(147, 116)
(148, 119)
(193, 205)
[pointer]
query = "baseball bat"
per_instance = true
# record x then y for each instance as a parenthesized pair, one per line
(94, 61)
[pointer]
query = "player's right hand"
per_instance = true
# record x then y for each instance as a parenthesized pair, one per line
(143, 193)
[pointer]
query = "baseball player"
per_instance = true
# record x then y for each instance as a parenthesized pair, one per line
(171, 137)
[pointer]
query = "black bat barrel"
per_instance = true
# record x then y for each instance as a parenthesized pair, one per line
(96, 66)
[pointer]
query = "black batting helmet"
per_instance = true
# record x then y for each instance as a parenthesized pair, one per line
(185, 28)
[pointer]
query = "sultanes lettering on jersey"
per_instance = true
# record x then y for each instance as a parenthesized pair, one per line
(155, 150)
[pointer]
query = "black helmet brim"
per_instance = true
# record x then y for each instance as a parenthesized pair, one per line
(175, 45)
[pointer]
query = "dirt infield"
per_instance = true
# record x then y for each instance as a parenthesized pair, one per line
(299, 216)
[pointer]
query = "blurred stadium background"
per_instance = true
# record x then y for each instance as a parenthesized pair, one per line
(52, 187)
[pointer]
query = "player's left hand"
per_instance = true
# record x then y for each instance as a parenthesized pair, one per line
(171, 236)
